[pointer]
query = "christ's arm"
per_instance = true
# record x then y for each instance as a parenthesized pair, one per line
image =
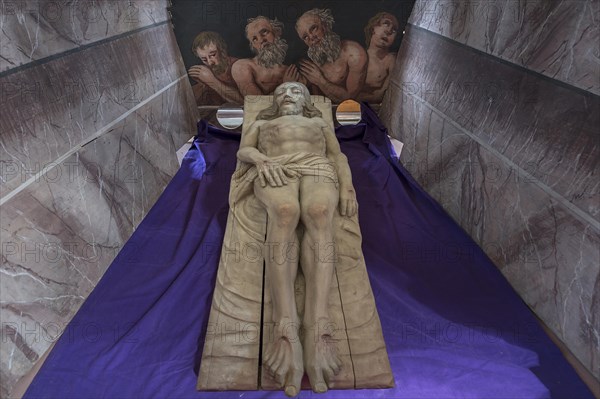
(348, 204)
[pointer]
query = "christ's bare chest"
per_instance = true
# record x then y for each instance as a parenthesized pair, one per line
(292, 132)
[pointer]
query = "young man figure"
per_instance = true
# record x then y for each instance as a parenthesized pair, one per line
(380, 33)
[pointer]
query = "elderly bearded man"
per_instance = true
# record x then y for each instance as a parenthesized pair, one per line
(216, 71)
(337, 67)
(263, 73)
(300, 176)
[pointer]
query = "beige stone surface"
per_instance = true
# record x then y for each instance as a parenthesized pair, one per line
(233, 352)
(231, 349)
(345, 379)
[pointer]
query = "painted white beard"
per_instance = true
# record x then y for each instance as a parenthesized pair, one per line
(272, 55)
(328, 50)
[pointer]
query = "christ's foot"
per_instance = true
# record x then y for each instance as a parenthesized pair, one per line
(284, 361)
(321, 361)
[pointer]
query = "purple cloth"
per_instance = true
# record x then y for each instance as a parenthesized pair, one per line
(454, 327)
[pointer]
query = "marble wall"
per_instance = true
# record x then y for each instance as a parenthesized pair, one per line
(33, 30)
(94, 104)
(558, 39)
(510, 149)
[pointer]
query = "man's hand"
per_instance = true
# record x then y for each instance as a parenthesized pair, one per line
(273, 173)
(292, 74)
(201, 73)
(348, 204)
(311, 71)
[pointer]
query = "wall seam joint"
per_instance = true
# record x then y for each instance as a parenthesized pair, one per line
(105, 129)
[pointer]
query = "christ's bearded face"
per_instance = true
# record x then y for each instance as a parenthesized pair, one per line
(290, 98)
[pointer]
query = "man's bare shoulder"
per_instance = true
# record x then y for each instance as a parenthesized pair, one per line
(390, 58)
(246, 64)
(353, 53)
(353, 48)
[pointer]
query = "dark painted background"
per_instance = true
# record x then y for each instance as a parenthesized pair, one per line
(229, 18)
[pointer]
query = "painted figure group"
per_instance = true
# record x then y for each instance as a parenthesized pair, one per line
(336, 68)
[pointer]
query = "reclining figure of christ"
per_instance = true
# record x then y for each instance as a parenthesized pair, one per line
(291, 204)
(301, 176)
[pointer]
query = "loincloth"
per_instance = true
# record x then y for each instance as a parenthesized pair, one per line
(300, 164)
(297, 165)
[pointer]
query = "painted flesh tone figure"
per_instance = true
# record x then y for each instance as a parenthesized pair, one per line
(302, 176)
(337, 67)
(380, 32)
(263, 73)
(215, 82)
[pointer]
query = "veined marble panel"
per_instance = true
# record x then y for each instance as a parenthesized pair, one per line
(48, 109)
(549, 255)
(35, 29)
(556, 38)
(513, 158)
(61, 232)
(548, 130)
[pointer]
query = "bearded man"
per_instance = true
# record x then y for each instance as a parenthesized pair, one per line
(338, 68)
(263, 73)
(215, 82)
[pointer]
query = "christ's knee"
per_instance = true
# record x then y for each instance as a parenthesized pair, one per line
(285, 215)
(318, 216)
